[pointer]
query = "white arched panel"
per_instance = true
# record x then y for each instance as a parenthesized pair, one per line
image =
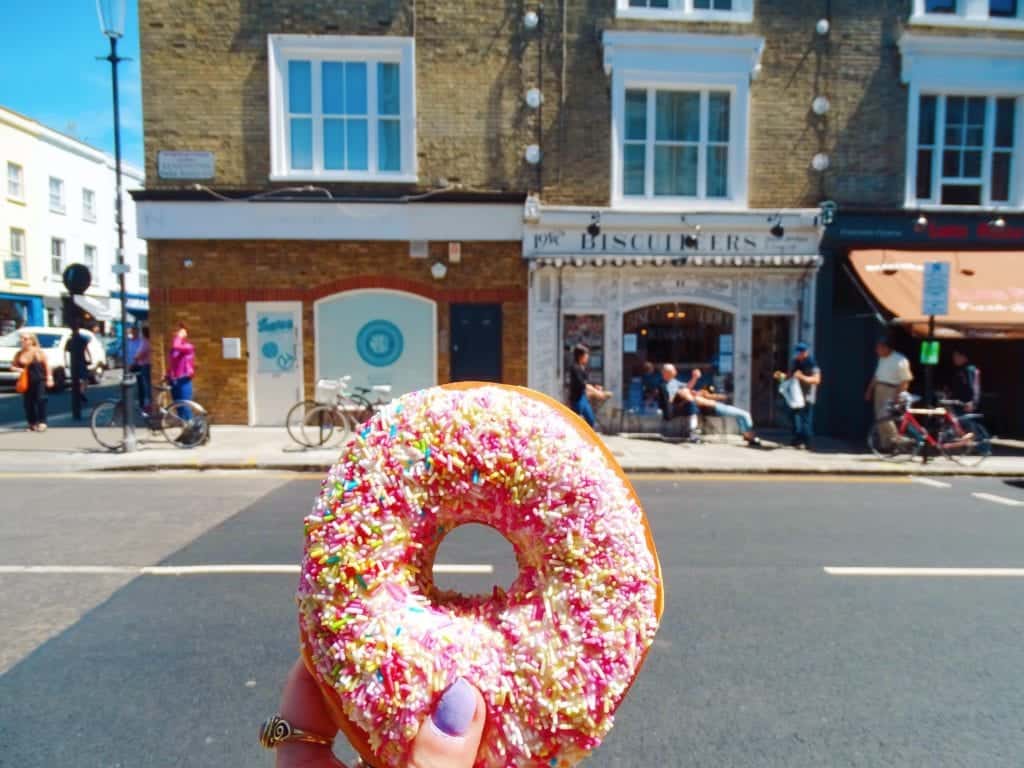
(377, 337)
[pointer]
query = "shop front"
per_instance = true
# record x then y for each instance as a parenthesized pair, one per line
(728, 294)
(17, 309)
(873, 284)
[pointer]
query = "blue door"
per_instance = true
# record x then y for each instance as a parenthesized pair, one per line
(475, 342)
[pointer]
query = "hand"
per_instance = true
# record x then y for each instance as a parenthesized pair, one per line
(449, 739)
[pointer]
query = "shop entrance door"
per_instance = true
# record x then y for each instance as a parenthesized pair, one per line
(274, 342)
(475, 342)
(771, 353)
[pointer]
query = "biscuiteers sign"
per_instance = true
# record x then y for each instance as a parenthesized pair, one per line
(617, 243)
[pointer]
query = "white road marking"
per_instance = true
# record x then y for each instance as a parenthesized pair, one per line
(204, 570)
(833, 570)
(998, 499)
(931, 483)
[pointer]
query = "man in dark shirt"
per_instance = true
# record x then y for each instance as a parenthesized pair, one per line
(580, 390)
(805, 370)
(966, 384)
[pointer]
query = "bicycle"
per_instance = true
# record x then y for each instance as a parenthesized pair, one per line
(183, 423)
(902, 437)
(313, 423)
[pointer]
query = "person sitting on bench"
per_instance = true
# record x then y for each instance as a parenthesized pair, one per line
(710, 402)
(676, 398)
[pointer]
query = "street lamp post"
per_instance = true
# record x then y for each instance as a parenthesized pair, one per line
(111, 14)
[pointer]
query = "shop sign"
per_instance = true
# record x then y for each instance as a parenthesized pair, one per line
(276, 342)
(641, 243)
(185, 165)
(935, 296)
(888, 229)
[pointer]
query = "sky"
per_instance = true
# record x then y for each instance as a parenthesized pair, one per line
(49, 72)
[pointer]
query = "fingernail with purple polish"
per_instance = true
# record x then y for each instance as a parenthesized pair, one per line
(455, 710)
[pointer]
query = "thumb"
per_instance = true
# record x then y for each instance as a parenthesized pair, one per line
(451, 735)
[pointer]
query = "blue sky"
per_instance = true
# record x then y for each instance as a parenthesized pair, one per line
(49, 72)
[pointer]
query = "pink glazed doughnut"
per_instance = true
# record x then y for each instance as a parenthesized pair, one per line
(554, 655)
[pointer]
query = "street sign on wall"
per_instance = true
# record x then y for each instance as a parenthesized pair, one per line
(935, 296)
(185, 165)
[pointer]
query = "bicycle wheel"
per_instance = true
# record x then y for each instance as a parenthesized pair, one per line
(185, 424)
(969, 449)
(107, 424)
(886, 443)
(296, 418)
(319, 425)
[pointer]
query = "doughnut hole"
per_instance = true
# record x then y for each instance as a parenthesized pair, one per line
(478, 545)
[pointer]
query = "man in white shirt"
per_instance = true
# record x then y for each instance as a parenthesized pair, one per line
(892, 376)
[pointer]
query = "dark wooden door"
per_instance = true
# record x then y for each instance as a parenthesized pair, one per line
(475, 342)
(771, 353)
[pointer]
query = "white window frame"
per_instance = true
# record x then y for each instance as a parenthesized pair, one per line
(969, 13)
(337, 48)
(61, 204)
(63, 248)
(144, 270)
(683, 10)
(90, 262)
(968, 66)
(662, 61)
(17, 254)
(17, 195)
(88, 210)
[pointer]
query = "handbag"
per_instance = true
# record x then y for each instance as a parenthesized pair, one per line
(21, 385)
(792, 393)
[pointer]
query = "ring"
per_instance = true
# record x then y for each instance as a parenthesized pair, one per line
(276, 731)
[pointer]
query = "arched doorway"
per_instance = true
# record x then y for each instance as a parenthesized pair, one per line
(377, 336)
(687, 335)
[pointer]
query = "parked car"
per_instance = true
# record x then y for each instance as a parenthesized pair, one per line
(54, 342)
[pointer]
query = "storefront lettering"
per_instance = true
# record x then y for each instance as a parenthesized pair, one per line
(266, 325)
(948, 232)
(649, 242)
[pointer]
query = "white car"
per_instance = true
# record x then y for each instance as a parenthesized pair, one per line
(54, 342)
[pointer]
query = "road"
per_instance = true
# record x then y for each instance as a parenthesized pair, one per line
(12, 412)
(764, 657)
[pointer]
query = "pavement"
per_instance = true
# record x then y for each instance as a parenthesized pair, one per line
(813, 621)
(73, 449)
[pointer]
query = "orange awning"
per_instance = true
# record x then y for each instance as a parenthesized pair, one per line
(986, 290)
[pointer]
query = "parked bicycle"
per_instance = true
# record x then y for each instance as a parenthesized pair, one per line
(902, 436)
(314, 423)
(184, 423)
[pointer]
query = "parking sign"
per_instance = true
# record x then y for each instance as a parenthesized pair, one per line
(935, 297)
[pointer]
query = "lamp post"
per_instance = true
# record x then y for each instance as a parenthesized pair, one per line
(111, 15)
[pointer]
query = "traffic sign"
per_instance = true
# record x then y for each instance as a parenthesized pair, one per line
(930, 352)
(77, 278)
(935, 296)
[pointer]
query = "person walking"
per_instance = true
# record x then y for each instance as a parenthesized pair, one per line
(966, 383)
(892, 377)
(805, 370)
(30, 361)
(181, 367)
(81, 358)
(580, 389)
(142, 365)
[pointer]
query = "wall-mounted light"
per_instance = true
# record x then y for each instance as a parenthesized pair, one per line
(823, 26)
(531, 208)
(998, 223)
(777, 231)
(530, 20)
(820, 105)
(532, 154)
(820, 162)
(534, 98)
(187, 263)
(594, 227)
(921, 223)
(438, 270)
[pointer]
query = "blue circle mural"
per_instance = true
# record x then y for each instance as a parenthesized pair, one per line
(270, 350)
(379, 343)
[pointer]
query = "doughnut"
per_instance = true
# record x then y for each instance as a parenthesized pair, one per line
(555, 654)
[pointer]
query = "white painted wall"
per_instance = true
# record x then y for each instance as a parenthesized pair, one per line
(43, 152)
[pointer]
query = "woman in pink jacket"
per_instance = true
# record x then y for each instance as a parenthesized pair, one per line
(181, 367)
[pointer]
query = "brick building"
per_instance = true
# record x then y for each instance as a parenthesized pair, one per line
(477, 187)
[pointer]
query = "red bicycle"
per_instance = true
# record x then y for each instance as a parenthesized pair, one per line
(901, 436)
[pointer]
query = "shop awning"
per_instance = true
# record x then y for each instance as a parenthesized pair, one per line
(93, 307)
(986, 290)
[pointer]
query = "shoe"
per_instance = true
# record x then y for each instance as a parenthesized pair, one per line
(40, 427)
(755, 442)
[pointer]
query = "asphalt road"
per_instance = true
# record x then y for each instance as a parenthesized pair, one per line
(12, 411)
(763, 659)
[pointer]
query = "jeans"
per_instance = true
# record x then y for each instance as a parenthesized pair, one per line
(743, 419)
(803, 424)
(181, 389)
(144, 385)
(582, 407)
